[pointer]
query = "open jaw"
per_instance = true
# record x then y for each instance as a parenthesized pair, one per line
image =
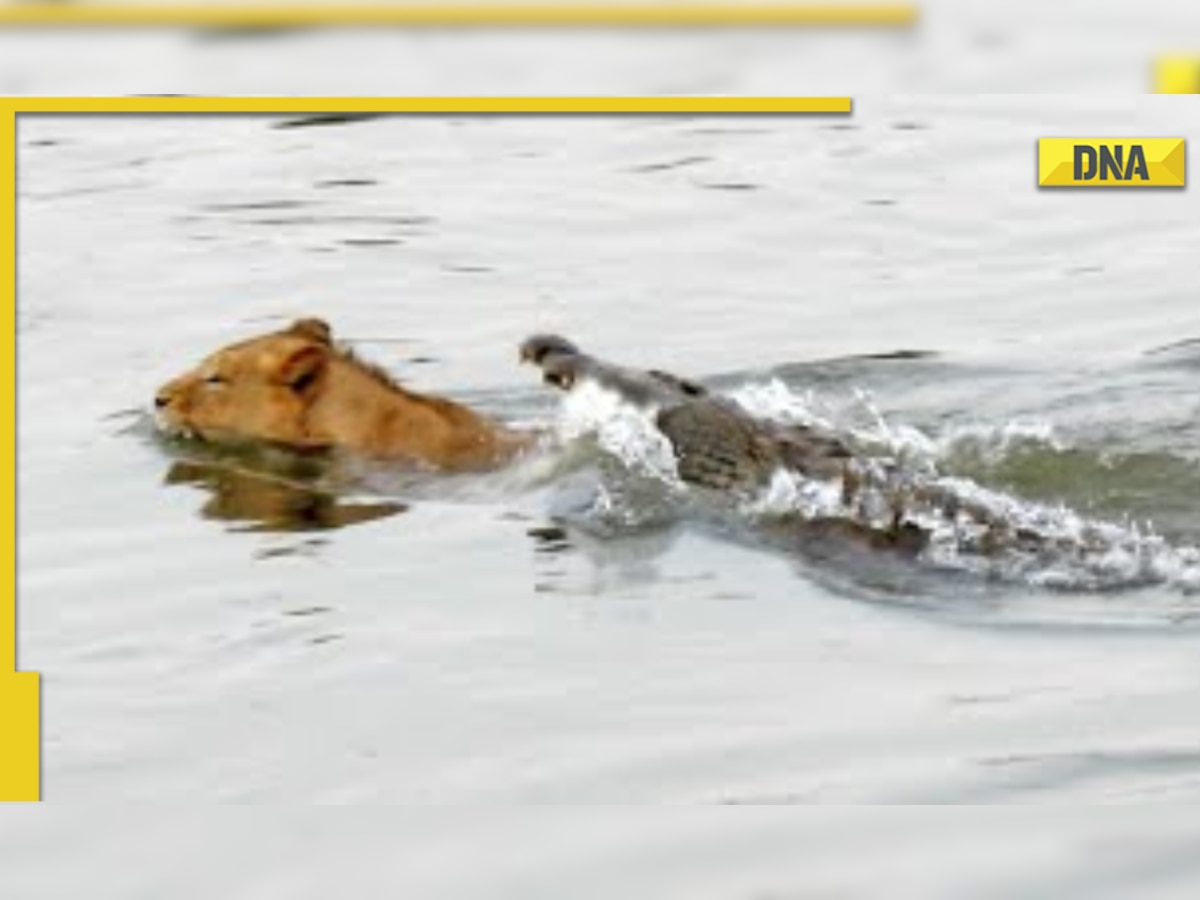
(558, 358)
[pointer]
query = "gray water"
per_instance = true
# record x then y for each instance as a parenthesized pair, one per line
(208, 629)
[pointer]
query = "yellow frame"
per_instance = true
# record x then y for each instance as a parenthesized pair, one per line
(20, 710)
(408, 14)
(1177, 74)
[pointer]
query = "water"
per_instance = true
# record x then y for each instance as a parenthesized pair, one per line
(240, 629)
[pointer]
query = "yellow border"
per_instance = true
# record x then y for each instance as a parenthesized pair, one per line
(20, 724)
(436, 105)
(567, 14)
(1177, 74)
(19, 691)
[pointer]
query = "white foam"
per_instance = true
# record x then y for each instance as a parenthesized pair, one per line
(621, 429)
(1063, 548)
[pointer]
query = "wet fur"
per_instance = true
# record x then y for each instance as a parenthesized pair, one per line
(296, 388)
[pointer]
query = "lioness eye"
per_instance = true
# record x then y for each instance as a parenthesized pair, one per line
(214, 378)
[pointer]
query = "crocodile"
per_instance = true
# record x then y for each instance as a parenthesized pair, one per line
(720, 446)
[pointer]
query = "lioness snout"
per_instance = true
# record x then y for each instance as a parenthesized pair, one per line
(166, 394)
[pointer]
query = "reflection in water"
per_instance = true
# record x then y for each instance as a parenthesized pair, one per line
(550, 539)
(269, 504)
(630, 562)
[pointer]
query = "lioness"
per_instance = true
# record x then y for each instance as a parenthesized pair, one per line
(296, 388)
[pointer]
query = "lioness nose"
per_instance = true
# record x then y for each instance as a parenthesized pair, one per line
(162, 399)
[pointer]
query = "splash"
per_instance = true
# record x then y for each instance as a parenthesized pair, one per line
(902, 469)
(624, 431)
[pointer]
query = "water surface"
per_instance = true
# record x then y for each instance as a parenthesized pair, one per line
(217, 627)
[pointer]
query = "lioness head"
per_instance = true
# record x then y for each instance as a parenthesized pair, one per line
(260, 389)
(295, 388)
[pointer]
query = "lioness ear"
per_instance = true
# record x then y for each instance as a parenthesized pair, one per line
(301, 367)
(314, 329)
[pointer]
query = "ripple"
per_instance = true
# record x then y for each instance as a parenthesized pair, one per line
(669, 165)
(326, 120)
